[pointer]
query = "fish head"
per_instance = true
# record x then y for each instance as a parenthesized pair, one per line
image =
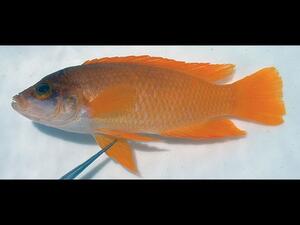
(51, 101)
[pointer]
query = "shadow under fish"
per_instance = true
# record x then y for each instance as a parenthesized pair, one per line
(85, 139)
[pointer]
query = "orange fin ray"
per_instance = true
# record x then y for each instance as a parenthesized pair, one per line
(205, 71)
(112, 100)
(121, 152)
(259, 97)
(126, 135)
(218, 128)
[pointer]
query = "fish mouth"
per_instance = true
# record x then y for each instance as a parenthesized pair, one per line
(19, 103)
(14, 102)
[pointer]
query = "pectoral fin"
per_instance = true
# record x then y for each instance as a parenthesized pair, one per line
(121, 152)
(218, 128)
(113, 100)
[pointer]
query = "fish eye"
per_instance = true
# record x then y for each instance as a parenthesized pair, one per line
(43, 91)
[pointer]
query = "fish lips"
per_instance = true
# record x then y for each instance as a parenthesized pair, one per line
(19, 103)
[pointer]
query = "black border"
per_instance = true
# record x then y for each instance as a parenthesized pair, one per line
(158, 23)
(269, 187)
(121, 199)
(207, 36)
(211, 24)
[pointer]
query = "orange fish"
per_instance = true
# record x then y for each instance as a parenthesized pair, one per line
(128, 98)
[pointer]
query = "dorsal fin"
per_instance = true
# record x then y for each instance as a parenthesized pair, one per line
(206, 71)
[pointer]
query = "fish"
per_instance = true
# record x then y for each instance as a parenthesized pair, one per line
(147, 98)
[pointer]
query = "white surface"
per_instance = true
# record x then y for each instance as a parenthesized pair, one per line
(28, 151)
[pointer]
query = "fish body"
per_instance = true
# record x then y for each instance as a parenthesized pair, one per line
(129, 97)
(165, 99)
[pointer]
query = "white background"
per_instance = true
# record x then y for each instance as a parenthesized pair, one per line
(31, 151)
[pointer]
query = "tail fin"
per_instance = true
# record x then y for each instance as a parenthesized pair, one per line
(259, 97)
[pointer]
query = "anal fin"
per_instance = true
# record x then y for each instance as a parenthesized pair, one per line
(219, 128)
(121, 152)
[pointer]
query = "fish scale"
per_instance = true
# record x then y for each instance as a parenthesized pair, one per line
(166, 98)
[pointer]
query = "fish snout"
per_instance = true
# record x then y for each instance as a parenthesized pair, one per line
(19, 102)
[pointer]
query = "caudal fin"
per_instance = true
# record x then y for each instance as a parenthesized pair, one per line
(259, 97)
